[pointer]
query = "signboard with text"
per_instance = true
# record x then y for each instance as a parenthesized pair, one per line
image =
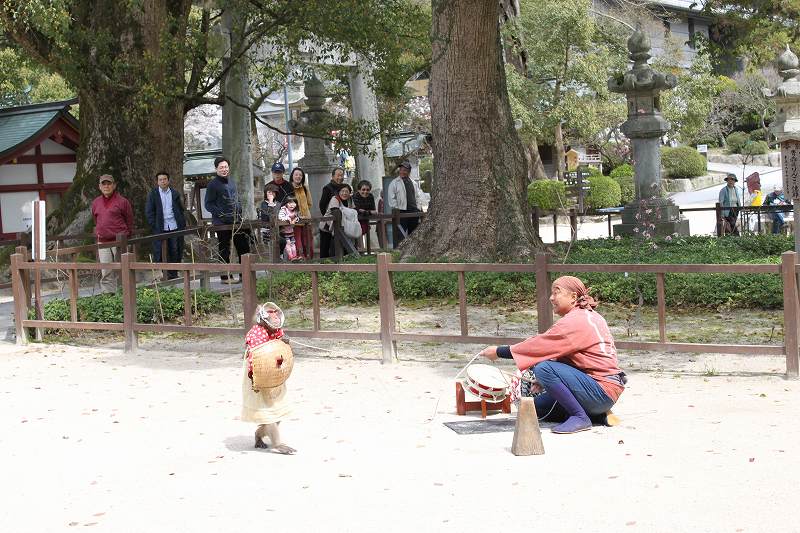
(790, 161)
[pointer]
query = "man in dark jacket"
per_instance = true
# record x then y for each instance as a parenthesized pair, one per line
(222, 201)
(330, 189)
(164, 212)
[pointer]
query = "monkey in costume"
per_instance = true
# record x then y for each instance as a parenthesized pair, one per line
(269, 406)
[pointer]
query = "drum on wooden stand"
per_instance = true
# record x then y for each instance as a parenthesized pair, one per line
(272, 364)
(486, 382)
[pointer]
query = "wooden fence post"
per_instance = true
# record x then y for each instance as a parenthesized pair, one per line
(26, 276)
(573, 224)
(129, 302)
(395, 226)
(543, 307)
(555, 226)
(248, 290)
(275, 238)
(790, 312)
(21, 303)
(205, 276)
(386, 304)
(720, 225)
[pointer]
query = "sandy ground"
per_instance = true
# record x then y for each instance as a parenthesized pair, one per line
(152, 443)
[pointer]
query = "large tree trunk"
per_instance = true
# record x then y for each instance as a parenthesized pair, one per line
(478, 208)
(131, 147)
(535, 161)
(127, 62)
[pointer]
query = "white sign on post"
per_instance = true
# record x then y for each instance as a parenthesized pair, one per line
(702, 148)
(790, 161)
(38, 239)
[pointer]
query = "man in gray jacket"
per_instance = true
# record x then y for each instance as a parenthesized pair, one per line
(405, 195)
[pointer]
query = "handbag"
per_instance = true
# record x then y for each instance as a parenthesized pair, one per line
(350, 224)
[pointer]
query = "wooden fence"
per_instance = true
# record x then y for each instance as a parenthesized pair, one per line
(383, 269)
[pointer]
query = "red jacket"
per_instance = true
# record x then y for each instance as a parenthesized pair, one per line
(581, 339)
(112, 216)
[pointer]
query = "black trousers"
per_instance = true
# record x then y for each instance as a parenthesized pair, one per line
(408, 224)
(174, 252)
(326, 244)
(241, 241)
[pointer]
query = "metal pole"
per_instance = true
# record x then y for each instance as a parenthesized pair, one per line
(288, 117)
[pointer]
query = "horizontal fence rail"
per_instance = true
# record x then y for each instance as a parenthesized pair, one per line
(388, 335)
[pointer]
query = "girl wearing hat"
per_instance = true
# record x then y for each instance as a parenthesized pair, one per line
(578, 377)
(264, 407)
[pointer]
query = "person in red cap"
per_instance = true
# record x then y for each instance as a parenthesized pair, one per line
(112, 214)
(578, 378)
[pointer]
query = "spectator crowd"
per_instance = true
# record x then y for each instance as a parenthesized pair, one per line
(287, 202)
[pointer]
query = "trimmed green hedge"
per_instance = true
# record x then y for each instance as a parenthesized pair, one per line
(736, 141)
(107, 307)
(682, 162)
(691, 290)
(548, 194)
(603, 192)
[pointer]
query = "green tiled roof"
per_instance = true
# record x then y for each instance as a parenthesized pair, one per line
(18, 124)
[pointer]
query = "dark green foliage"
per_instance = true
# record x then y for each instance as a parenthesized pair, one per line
(547, 194)
(690, 290)
(107, 307)
(755, 148)
(626, 186)
(736, 141)
(682, 162)
(622, 171)
(603, 192)
(760, 134)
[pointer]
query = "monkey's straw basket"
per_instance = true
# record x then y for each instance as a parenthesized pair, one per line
(272, 364)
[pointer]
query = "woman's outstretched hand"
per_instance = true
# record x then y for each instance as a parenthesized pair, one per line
(490, 353)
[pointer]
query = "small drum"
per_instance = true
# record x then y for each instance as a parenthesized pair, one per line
(272, 364)
(486, 382)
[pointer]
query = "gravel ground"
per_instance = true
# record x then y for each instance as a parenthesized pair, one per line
(152, 443)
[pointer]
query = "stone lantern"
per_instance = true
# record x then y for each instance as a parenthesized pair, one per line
(645, 127)
(786, 127)
(318, 160)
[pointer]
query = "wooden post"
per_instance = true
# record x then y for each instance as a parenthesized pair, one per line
(187, 299)
(275, 237)
(662, 319)
(527, 435)
(74, 286)
(610, 233)
(720, 225)
(205, 276)
(386, 304)
(26, 276)
(21, 303)
(555, 226)
(462, 303)
(573, 224)
(164, 257)
(543, 307)
(315, 299)
(790, 312)
(129, 302)
(248, 290)
(337, 232)
(395, 226)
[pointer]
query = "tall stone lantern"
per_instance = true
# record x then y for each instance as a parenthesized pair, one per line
(645, 126)
(786, 127)
(318, 160)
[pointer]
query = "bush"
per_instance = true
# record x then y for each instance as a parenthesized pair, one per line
(623, 171)
(736, 141)
(682, 162)
(547, 194)
(755, 148)
(603, 192)
(107, 307)
(623, 175)
(760, 134)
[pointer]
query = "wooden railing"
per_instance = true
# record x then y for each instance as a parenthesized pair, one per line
(388, 334)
